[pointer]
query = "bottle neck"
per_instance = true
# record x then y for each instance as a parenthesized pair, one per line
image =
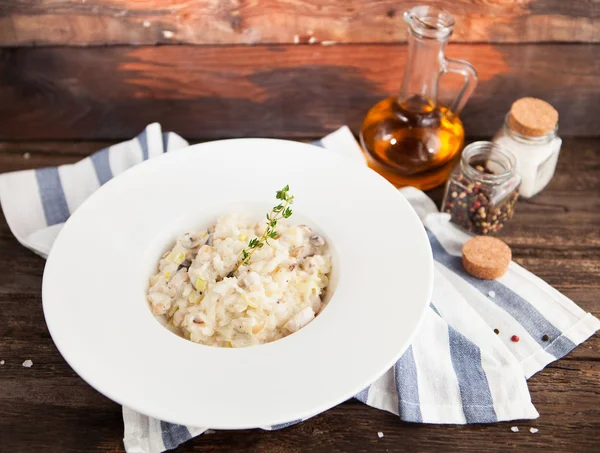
(422, 72)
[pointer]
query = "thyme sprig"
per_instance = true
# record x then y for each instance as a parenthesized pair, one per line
(281, 211)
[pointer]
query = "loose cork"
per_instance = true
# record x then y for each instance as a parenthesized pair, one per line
(532, 117)
(486, 257)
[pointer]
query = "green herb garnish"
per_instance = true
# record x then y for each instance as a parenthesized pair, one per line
(281, 211)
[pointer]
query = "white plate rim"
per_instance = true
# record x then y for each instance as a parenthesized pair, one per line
(275, 420)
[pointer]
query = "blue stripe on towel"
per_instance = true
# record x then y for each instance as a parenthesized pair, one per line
(143, 140)
(102, 165)
(407, 386)
(285, 425)
(477, 402)
(173, 435)
(522, 311)
(165, 141)
(363, 395)
(52, 195)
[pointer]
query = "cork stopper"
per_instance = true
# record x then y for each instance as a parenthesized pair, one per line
(532, 117)
(486, 257)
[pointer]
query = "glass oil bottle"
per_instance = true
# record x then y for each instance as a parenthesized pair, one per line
(412, 139)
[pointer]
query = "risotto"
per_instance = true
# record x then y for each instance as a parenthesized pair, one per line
(279, 291)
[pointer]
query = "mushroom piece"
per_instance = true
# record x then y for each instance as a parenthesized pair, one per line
(177, 282)
(302, 251)
(209, 238)
(316, 240)
(192, 240)
(185, 265)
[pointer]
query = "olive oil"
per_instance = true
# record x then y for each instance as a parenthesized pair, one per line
(412, 143)
(413, 139)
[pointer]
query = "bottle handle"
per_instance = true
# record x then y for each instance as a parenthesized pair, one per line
(465, 69)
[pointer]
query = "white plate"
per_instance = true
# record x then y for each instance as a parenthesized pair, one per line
(97, 275)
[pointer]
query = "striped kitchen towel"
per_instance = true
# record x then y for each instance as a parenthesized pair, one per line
(457, 370)
(45, 198)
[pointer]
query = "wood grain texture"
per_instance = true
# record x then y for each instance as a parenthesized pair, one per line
(555, 235)
(100, 22)
(207, 92)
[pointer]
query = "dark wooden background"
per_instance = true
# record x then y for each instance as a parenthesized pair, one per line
(103, 69)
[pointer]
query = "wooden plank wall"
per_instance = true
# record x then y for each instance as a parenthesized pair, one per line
(102, 69)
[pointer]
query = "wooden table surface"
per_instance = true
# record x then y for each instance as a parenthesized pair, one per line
(48, 408)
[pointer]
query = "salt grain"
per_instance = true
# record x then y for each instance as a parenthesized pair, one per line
(328, 43)
(514, 429)
(296, 39)
(27, 363)
(380, 434)
(1, 362)
(168, 34)
(146, 23)
(492, 294)
(533, 430)
(26, 155)
(312, 40)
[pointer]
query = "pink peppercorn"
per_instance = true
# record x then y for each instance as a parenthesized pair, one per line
(515, 338)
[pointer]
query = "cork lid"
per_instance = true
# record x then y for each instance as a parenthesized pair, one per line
(486, 257)
(532, 117)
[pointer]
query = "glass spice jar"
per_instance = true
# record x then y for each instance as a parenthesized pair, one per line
(530, 132)
(482, 190)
